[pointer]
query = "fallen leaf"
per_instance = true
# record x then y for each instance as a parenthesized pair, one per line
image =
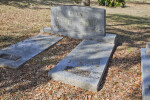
(50, 92)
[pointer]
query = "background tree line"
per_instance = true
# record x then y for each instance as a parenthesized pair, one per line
(110, 3)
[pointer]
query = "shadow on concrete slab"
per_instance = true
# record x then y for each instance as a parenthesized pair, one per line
(35, 71)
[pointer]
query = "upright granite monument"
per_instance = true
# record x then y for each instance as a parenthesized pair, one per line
(85, 66)
(79, 22)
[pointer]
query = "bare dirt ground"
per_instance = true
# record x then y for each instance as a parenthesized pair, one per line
(123, 79)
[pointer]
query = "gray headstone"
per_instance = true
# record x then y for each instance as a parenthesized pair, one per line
(85, 66)
(78, 21)
(16, 55)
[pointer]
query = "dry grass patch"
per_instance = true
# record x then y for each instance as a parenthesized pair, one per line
(17, 24)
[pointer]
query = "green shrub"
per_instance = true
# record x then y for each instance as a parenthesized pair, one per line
(112, 3)
(77, 1)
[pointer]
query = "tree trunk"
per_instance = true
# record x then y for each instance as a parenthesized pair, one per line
(28, 2)
(85, 2)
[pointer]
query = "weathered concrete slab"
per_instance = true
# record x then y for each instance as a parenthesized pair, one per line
(78, 21)
(148, 49)
(85, 65)
(145, 68)
(108, 38)
(16, 55)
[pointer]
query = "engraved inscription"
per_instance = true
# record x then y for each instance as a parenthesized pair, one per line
(90, 24)
(78, 19)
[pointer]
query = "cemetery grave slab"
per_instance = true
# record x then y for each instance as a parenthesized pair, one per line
(145, 68)
(16, 55)
(85, 66)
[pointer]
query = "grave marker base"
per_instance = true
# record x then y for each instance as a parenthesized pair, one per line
(108, 38)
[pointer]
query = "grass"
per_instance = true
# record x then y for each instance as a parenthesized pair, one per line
(123, 81)
(17, 24)
(139, 1)
(130, 29)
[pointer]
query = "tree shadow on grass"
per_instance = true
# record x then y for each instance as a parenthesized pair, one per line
(130, 29)
(26, 4)
(15, 3)
(141, 2)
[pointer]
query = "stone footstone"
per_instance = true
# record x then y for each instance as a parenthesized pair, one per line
(85, 66)
(145, 68)
(16, 55)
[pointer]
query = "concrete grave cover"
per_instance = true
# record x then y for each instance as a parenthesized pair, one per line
(16, 55)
